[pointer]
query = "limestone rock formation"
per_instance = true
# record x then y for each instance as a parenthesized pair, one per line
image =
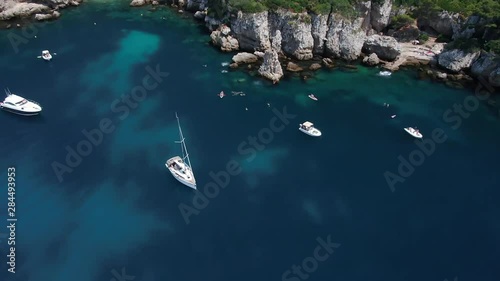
(456, 60)
(386, 47)
(271, 68)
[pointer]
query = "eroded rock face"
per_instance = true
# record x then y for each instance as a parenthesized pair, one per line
(380, 14)
(456, 60)
(386, 47)
(319, 29)
(245, 58)
(444, 22)
(297, 40)
(345, 38)
(252, 31)
(487, 66)
(271, 68)
(406, 34)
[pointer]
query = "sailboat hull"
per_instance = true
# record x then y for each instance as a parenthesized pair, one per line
(181, 171)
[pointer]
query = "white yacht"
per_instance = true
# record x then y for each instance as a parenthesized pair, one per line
(414, 132)
(46, 55)
(308, 129)
(385, 73)
(19, 105)
(179, 167)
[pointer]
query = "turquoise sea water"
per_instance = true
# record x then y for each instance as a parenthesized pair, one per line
(119, 207)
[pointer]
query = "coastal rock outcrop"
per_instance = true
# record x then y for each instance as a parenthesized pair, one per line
(200, 15)
(222, 38)
(245, 58)
(17, 10)
(456, 60)
(487, 67)
(42, 10)
(380, 14)
(271, 68)
(386, 47)
(252, 31)
(42, 17)
(371, 60)
(139, 3)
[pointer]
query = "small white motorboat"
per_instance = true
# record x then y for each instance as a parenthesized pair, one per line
(19, 105)
(393, 116)
(309, 129)
(46, 55)
(414, 132)
(385, 73)
(221, 94)
(311, 96)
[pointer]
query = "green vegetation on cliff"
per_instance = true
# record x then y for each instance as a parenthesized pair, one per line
(256, 6)
(484, 8)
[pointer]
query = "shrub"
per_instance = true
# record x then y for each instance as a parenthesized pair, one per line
(423, 37)
(248, 6)
(469, 45)
(493, 46)
(401, 20)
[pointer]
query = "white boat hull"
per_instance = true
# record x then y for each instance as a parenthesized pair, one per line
(413, 133)
(311, 132)
(18, 112)
(184, 176)
(47, 58)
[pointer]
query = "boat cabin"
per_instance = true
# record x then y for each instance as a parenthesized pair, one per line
(307, 125)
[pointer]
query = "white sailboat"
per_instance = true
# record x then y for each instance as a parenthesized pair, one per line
(179, 167)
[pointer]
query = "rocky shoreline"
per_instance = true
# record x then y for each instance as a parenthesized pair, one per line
(15, 11)
(275, 42)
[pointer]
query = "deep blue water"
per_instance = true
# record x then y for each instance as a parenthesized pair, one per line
(119, 207)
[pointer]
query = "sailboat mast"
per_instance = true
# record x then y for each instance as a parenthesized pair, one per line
(185, 154)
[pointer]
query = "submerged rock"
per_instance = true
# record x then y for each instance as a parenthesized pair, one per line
(271, 68)
(293, 67)
(315, 66)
